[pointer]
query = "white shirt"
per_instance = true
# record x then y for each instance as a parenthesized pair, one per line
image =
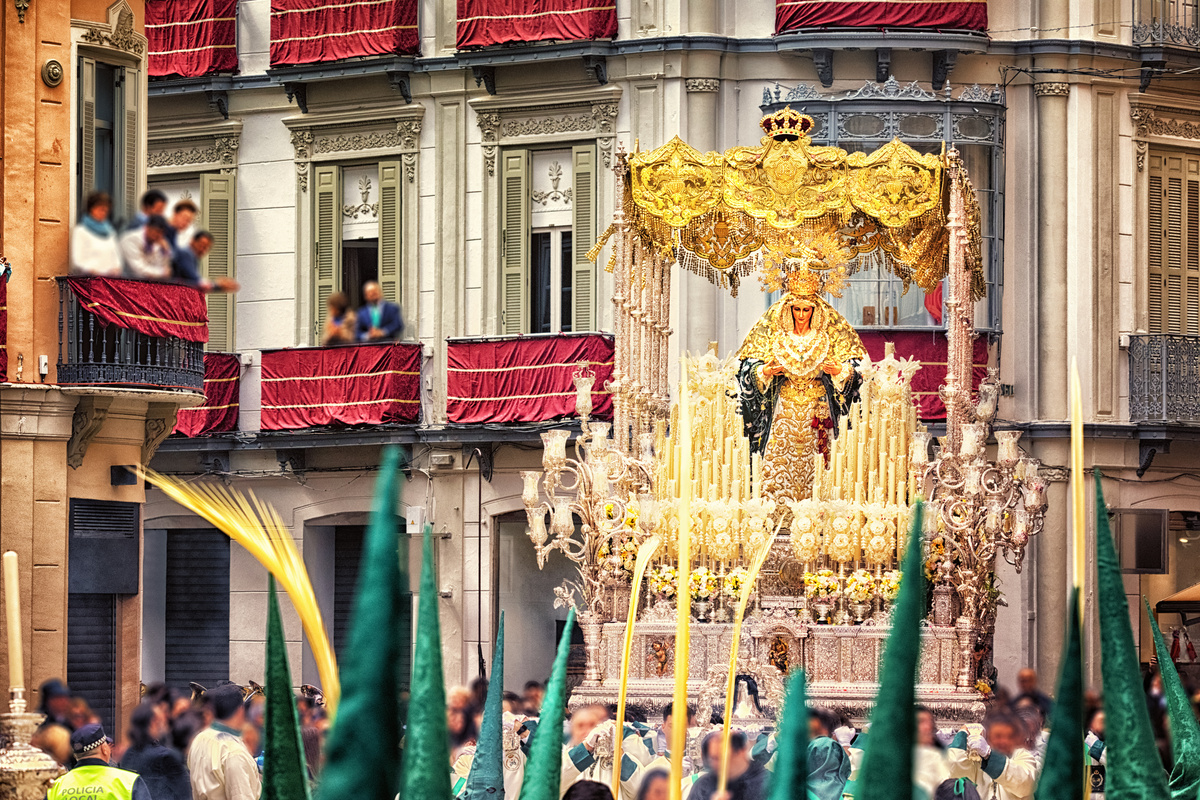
(1015, 782)
(143, 260)
(94, 255)
(221, 767)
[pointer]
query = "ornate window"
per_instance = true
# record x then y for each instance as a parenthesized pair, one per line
(874, 115)
(1173, 242)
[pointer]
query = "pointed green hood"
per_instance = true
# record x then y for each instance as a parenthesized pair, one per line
(790, 781)
(887, 767)
(285, 773)
(1184, 781)
(1134, 769)
(1062, 775)
(361, 752)
(486, 779)
(426, 765)
(543, 772)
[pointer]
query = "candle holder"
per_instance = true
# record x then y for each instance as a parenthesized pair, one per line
(25, 771)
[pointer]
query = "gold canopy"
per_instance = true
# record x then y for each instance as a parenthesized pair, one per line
(721, 214)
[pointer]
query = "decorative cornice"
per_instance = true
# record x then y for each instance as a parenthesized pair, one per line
(302, 144)
(1052, 89)
(222, 151)
(1147, 122)
(309, 141)
(599, 120)
(706, 85)
(118, 34)
(358, 141)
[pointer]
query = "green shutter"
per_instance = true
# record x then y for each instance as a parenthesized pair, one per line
(389, 230)
(1173, 252)
(327, 250)
(129, 171)
(583, 236)
(218, 215)
(87, 129)
(514, 258)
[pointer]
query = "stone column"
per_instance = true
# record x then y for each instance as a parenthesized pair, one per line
(1052, 248)
(700, 297)
(702, 16)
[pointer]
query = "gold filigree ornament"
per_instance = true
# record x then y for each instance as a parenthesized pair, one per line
(676, 182)
(723, 533)
(806, 530)
(895, 184)
(879, 534)
(841, 530)
(756, 524)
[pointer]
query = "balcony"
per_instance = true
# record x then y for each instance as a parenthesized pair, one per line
(1164, 378)
(109, 342)
(1166, 23)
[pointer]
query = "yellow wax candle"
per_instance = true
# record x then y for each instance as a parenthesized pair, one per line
(860, 462)
(837, 473)
(682, 620)
(1078, 508)
(12, 610)
(756, 474)
(818, 473)
(893, 443)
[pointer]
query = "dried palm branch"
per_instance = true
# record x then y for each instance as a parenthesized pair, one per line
(258, 527)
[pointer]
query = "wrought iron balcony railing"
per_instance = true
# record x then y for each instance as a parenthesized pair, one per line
(1164, 378)
(90, 353)
(1169, 23)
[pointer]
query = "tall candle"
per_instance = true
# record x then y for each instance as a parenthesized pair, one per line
(683, 605)
(12, 610)
(1077, 480)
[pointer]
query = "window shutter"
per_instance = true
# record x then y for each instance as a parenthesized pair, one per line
(129, 169)
(327, 252)
(1156, 279)
(389, 230)
(87, 128)
(514, 259)
(1173, 252)
(583, 236)
(218, 215)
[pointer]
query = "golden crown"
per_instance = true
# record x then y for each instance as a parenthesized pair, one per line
(786, 124)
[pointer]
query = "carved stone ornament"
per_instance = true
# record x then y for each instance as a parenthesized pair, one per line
(160, 421)
(1154, 121)
(222, 151)
(121, 36)
(1054, 474)
(85, 424)
(405, 138)
(1052, 89)
(600, 120)
(702, 84)
(52, 72)
(891, 90)
(22, 7)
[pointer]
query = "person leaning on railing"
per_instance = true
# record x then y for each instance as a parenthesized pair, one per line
(94, 249)
(146, 250)
(185, 265)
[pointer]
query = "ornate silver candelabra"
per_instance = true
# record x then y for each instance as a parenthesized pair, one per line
(25, 771)
(597, 487)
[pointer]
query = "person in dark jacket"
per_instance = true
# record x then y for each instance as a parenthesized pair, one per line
(161, 767)
(378, 320)
(92, 776)
(748, 780)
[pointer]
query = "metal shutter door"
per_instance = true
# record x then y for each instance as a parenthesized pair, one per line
(92, 651)
(197, 607)
(347, 556)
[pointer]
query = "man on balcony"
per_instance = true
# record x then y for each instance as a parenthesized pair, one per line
(378, 320)
(146, 250)
(185, 265)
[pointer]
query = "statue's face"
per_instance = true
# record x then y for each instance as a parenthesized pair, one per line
(802, 314)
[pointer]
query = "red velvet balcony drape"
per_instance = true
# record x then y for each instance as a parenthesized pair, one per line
(525, 379)
(366, 384)
(930, 349)
(222, 373)
(312, 31)
(792, 16)
(153, 309)
(485, 22)
(190, 38)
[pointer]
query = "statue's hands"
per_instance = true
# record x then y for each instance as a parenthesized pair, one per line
(772, 369)
(832, 368)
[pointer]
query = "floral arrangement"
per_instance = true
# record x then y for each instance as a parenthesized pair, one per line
(627, 552)
(663, 581)
(704, 584)
(860, 586)
(889, 585)
(821, 584)
(937, 554)
(984, 687)
(735, 579)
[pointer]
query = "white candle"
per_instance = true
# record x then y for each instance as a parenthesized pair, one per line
(12, 609)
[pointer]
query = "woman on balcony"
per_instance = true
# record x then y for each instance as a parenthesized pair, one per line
(94, 249)
(340, 321)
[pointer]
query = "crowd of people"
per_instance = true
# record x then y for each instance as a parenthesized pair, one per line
(208, 745)
(151, 247)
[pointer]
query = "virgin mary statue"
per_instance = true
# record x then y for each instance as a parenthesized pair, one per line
(798, 375)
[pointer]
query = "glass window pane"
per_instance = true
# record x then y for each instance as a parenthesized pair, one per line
(565, 295)
(106, 95)
(539, 283)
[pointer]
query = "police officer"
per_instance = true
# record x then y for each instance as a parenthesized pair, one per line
(92, 778)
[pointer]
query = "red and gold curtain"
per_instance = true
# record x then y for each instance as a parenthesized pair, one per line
(190, 38)
(366, 384)
(930, 349)
(153, 309)
(222, 373)
(485, 22)
(312, 31)
(3, 327)
(525, 379)
(796, 15)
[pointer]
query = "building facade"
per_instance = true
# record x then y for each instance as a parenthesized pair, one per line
(467, 169)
